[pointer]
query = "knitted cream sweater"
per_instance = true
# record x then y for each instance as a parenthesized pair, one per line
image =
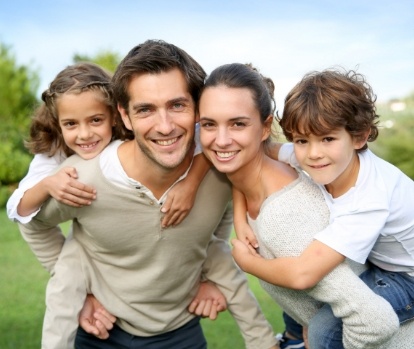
(287, 221)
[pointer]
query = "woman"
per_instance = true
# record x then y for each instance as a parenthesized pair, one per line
(284, 207)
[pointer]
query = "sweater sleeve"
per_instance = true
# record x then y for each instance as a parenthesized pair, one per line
(40, 167)
(221, 269)
(44, 235)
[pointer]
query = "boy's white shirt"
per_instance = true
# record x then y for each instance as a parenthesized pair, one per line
(374, 220)
(42, 166)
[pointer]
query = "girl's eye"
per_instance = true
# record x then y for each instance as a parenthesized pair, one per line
(239, 124)
(97, 120)
(69, 124)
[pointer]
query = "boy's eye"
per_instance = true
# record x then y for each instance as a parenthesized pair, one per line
(328, 139)
(300, 141)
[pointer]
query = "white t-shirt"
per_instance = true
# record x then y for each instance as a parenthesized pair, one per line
(373, 220)
(43, 166)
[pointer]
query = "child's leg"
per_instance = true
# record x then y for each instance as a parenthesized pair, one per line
(65, 295)
(396, 288)
(325, 330)
(293, 327)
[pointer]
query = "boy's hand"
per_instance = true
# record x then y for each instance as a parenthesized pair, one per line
(243, 254)
(178, 204)
(245, 234)
(65, 188)
(208, 302)
(95, 319)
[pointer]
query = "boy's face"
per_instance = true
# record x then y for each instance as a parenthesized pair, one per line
(330, 160)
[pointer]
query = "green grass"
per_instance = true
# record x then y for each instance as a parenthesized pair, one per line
(23, 283)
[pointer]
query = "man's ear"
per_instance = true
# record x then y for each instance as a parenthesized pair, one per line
(125, 117)
(267, 129)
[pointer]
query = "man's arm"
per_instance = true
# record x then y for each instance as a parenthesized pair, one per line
(220, 268)
(43, 234)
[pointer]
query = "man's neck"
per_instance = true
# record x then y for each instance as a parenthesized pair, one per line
(139, 167)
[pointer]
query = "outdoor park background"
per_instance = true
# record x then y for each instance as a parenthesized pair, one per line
(282, 39)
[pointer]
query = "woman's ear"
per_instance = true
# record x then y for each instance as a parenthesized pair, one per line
(267, 129)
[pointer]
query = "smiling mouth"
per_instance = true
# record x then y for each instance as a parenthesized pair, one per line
(88, 146)
(317, 167)
(167, 142)
(225, 155)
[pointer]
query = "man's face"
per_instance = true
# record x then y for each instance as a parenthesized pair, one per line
(161, 113)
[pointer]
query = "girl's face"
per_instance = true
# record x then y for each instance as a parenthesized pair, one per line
(86, 122)
(331, 159)
(231, 131)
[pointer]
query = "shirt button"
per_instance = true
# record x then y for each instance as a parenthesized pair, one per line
(151, 202)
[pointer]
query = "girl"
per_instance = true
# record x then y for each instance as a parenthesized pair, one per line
(284, 207)
(78, 116)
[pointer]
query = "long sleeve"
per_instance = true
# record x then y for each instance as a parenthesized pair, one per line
(45, 237)
(40, 167)
(221, 269)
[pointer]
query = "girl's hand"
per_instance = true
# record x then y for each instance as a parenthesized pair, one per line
(65, 188)
(178, 204)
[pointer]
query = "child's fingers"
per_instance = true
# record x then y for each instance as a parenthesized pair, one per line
(71, 172)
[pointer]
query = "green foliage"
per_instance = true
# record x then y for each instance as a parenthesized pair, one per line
(18, 86)
(395, 141)
(106, 59)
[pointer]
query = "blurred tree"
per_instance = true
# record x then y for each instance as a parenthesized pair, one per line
(106, 59)
(18, 87)
(395, 142)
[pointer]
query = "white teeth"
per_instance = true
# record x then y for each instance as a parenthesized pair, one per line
(168, 142)
(226, 154)
(86, 146)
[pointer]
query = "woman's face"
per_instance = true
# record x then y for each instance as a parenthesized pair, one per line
(231, 131)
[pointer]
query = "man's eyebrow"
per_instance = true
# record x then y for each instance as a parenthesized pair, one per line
(137, 106)
(179, 99)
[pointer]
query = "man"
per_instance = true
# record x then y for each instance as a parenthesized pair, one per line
(143, 274)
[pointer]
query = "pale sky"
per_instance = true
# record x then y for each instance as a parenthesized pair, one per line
(284, 39)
